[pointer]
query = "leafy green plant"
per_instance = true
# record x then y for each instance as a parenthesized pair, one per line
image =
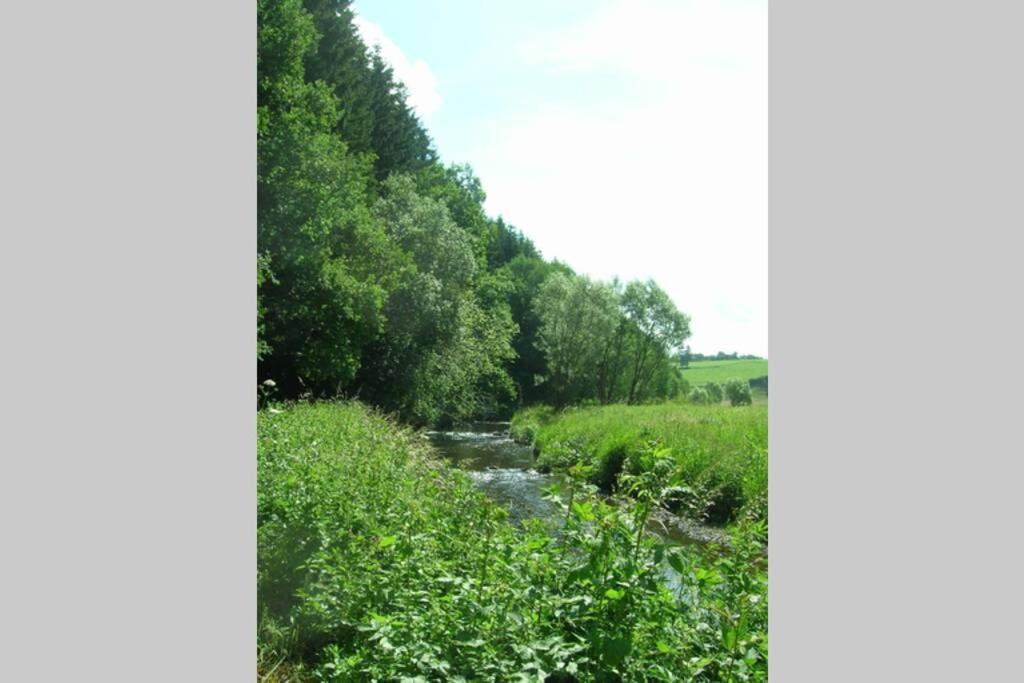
(526, 423)
(715, 391)
(265, 393)
(377, 562)
(721, 453)
(738, 392)
(699, 395)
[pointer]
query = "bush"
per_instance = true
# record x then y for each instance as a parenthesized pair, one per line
(714, 390)
(759, 383)
(738, 392)
(699, 395)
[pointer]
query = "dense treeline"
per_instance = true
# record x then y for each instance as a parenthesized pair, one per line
(381, 277)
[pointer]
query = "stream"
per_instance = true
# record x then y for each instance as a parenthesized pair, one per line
(503, 470)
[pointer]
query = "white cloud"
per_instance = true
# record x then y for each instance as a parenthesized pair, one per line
(420, 82)
(654, 39)
(671, 184)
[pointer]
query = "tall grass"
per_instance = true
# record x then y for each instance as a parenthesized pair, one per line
(377, 562)
(721, 452)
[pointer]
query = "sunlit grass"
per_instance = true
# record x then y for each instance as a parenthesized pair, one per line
(720, 450)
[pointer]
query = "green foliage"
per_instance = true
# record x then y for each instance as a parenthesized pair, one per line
(578, 316)
(263, 273)
(720, 453)
(321, 268)
(661, 329)
(699, 395)
(605, 343)
(714, 391)
(738, 392)
(375, 562)
(448, 337)
(527, 274)
(528, 421)
(379, 274)
(375, 117)
(369, 281)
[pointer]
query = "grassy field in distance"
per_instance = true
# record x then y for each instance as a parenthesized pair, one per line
(702, 371)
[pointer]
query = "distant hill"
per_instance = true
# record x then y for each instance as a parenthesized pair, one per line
(702, 371)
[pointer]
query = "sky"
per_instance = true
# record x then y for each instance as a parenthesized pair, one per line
(624, 137)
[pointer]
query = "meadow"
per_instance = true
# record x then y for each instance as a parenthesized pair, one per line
(378, 562)
(720, 452)
(702, 371)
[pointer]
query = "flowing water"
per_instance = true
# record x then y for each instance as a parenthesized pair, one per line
(503, 469)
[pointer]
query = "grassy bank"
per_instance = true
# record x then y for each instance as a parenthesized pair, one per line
(720, 452)
(377, 562)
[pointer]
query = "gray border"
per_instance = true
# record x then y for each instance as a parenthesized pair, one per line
(894, 180)
(127, 497)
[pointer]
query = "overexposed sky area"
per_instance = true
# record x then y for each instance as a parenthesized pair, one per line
(626, 137)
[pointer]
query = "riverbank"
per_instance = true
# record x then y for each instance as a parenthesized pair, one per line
(378, 561)
(720, 451)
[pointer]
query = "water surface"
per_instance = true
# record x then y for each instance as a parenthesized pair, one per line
(504, 470)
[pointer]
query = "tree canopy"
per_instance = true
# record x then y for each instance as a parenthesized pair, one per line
(379, 273)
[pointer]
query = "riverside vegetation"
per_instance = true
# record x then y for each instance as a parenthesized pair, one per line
(719, 451)
(388, 300)
(377, 562)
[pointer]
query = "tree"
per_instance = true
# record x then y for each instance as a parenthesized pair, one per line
(380, 275)
(461, 191)
(398, 138)
(661, 329)
(342, 61)
(526, 275)
(373, 113)
(449, 328)
(577, 317)
(320, 269)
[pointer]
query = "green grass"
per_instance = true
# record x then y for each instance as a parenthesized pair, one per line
(378, 562)
(721, 452)
(703, 371)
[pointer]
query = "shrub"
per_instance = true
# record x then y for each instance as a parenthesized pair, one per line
(714, 390)
(699, 395)
(738, 392)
